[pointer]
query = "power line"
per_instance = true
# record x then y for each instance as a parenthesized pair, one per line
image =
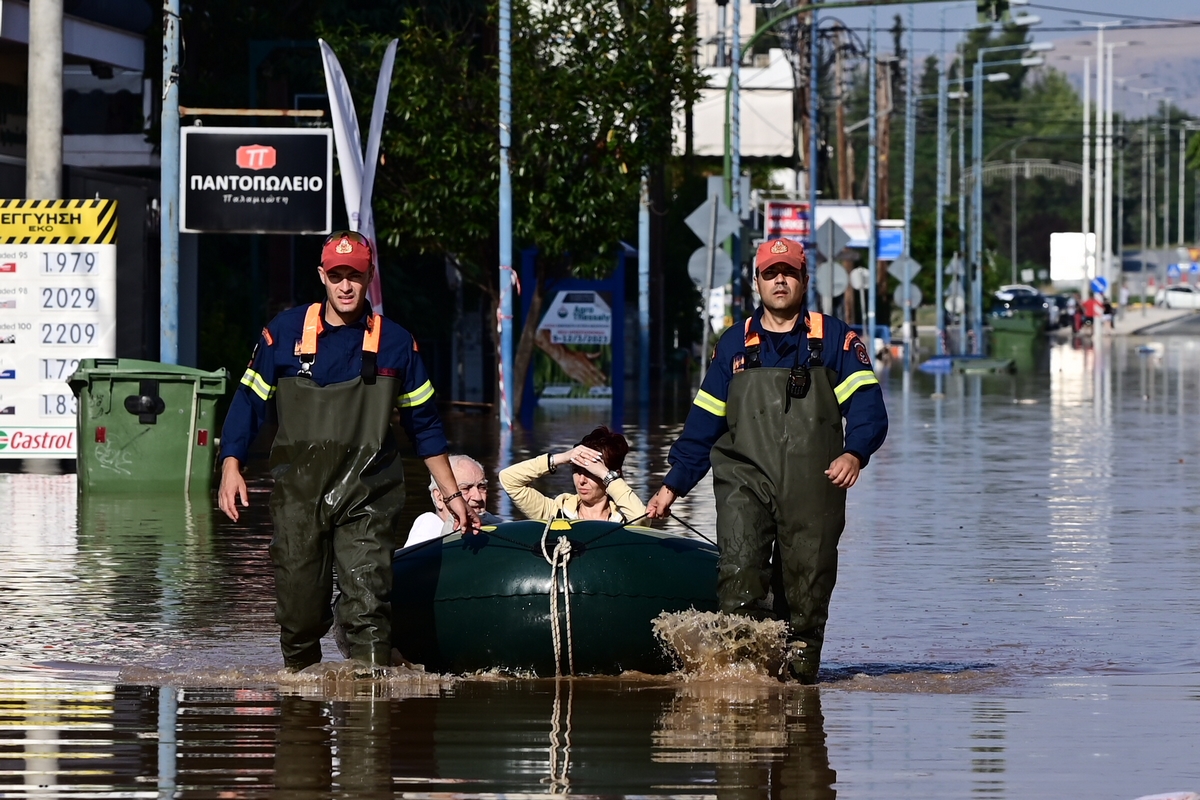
(1110, 15)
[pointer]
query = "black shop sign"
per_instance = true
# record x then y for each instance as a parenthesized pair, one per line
(256, 180)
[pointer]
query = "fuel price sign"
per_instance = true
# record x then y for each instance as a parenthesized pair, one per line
(58, 295)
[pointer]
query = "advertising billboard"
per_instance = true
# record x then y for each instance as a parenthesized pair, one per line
(256, 180)
(58, 304)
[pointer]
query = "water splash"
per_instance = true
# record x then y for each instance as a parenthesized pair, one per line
(708, 645)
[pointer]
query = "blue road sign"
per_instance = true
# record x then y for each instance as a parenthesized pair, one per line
(1173, 270)
(890, 242)
(1099, 285)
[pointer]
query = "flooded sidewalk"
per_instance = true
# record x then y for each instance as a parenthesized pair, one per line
(1015, 617)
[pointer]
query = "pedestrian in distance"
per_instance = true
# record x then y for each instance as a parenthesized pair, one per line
(768, 419)
(335, 371)
(600, 488)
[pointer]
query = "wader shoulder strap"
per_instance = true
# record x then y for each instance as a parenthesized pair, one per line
(753, 343)
(816, 339)
(370, 347)
(313, 325)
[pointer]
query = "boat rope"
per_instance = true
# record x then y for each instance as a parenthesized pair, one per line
(559, 561)
(560, 741)
(693, 530)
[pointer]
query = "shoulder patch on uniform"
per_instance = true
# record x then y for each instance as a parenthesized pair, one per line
(268, 337)
(739, 363)
(860, 351)
(416, 349)
(851, 338)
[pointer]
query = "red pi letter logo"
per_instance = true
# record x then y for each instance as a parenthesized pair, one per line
(256, 156)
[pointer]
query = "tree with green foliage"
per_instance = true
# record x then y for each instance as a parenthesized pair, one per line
(595, 86)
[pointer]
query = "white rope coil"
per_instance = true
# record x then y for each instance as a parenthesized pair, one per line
(558, 561)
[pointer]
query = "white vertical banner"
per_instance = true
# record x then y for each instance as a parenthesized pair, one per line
(358, 173)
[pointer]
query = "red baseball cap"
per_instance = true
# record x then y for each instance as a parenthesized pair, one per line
(781, 251)
(346, 249)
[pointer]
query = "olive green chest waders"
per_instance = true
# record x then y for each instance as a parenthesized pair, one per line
(339, 485)
(771, 488)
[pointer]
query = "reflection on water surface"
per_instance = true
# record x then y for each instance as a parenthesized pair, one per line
(1015, 617)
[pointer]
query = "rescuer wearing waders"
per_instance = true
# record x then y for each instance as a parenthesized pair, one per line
(768, 418)
(335, 371)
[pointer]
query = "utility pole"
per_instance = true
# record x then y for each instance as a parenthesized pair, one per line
(1152, 168)
(965, 278)
(1108, 273)
(1012, 198)
(1166, 206)
(504, 324)
(845, 180)
(1087, 165)
(814, 102)
(939, 344)
(43, 151)
(910, 157)
(735, 133)
(1098, 191)
(1121, 202)
(168, 227)
(1182, 177)
(872, 187)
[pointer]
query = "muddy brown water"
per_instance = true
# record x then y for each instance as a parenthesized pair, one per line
(1016, 616)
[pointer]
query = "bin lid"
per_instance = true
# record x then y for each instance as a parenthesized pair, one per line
(133, 368)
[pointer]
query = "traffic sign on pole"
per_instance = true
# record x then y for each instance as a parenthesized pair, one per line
(700, 219)
(831, 239)
(698, 267)
(914, 296)
(832, 280)
(897, 267)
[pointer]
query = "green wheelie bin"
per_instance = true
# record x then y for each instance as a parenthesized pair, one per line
(145, 426)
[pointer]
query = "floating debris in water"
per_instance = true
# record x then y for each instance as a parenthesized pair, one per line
(704, 644)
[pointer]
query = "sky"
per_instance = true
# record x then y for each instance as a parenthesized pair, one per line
(1158, 57)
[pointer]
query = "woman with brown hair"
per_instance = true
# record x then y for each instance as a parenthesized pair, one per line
(600, 491)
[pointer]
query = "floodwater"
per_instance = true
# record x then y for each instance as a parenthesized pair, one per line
(1017, 616)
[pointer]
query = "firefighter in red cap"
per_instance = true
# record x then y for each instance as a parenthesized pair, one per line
(769, 420)
(335, 371)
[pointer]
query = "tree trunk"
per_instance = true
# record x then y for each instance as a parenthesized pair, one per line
(523, 358)
(845, 150)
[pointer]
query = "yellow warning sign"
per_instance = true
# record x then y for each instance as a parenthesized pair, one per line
(58, 221)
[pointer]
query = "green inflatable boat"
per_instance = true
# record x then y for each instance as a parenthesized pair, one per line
(577, 597)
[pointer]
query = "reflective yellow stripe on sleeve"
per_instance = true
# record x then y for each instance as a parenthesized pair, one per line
(416, 396)
(253, 381)
(709, 403)
(852, 384)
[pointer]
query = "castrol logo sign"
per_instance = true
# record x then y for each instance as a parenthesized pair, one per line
(256, 156)
(38, 441)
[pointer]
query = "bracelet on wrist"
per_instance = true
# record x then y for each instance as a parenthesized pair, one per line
(446, 500)
(550, 465)
(610, 477)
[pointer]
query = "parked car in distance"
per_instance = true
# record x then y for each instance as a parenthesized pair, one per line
(1024, 292)
(1020, 312)
(1182, 296)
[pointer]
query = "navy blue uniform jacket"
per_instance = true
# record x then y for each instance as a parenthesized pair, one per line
(339, 358)
(858, 393)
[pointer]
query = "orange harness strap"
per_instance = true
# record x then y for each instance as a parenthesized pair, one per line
(751, 337)
(371, 335)
(816, 325)
(314, 325)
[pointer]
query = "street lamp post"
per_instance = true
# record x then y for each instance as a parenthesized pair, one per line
(976, 261)
(872, 189)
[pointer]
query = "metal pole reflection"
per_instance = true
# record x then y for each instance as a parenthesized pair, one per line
(168, 712)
